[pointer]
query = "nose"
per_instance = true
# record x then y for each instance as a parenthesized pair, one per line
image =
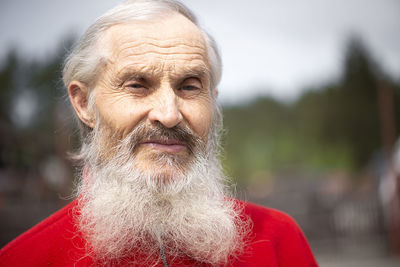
(166, 109)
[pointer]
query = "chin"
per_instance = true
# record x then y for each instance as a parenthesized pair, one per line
(164, 164)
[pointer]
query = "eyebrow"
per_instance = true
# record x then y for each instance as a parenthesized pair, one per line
(200, 71)
(132, 73)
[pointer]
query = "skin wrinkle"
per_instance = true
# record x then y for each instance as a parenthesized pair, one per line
(138, 194)
(149, 45)
(162, 62)
(143, 40)
(171, 52)
(119, 96)
(192, 69)
(112, 142)
(157, 75)
(123, 84)
(169, 43)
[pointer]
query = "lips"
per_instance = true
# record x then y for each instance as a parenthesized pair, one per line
(169, 146)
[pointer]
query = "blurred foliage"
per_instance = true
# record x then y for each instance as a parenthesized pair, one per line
(335, 126)
(32, 100)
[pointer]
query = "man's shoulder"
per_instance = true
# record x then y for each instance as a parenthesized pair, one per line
(267, 217)
(47, 239)
(277, 237)
(270, 223)
(60, 220)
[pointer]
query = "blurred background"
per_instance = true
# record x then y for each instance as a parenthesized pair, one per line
(311, 99)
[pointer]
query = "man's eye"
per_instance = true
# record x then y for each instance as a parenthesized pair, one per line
(189, 88)
(135, 85)
(137, 89)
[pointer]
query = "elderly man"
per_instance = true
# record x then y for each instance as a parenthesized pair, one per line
(143, 83)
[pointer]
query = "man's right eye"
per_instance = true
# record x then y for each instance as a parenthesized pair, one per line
(135, 88)
(135, 85)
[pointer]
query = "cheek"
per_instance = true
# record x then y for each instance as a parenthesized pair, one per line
(119, 111)
(199, 117)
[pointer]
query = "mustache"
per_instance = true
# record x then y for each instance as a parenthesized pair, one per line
(157, 131)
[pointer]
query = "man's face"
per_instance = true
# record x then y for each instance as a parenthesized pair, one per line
(156, 74)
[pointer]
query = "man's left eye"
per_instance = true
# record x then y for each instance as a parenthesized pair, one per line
(189, 88)
(135, 85)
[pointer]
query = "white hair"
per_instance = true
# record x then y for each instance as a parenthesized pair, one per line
(124, 209)
(126, 213)
(85, 61)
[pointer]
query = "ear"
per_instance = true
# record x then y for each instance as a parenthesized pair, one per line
(79, 96)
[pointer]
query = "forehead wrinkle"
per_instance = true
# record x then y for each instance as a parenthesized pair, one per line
(159, 55)
(165, 42)
(146, 49)
(173, 71)
(152, 60)
(122, 46)
(158, 58)
(151, 51)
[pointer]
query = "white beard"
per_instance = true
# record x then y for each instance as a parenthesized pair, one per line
(126, 212)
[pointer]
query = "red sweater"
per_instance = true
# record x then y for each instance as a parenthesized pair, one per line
(276, 241)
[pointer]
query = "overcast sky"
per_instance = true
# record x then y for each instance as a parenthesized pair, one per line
(268, 47)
